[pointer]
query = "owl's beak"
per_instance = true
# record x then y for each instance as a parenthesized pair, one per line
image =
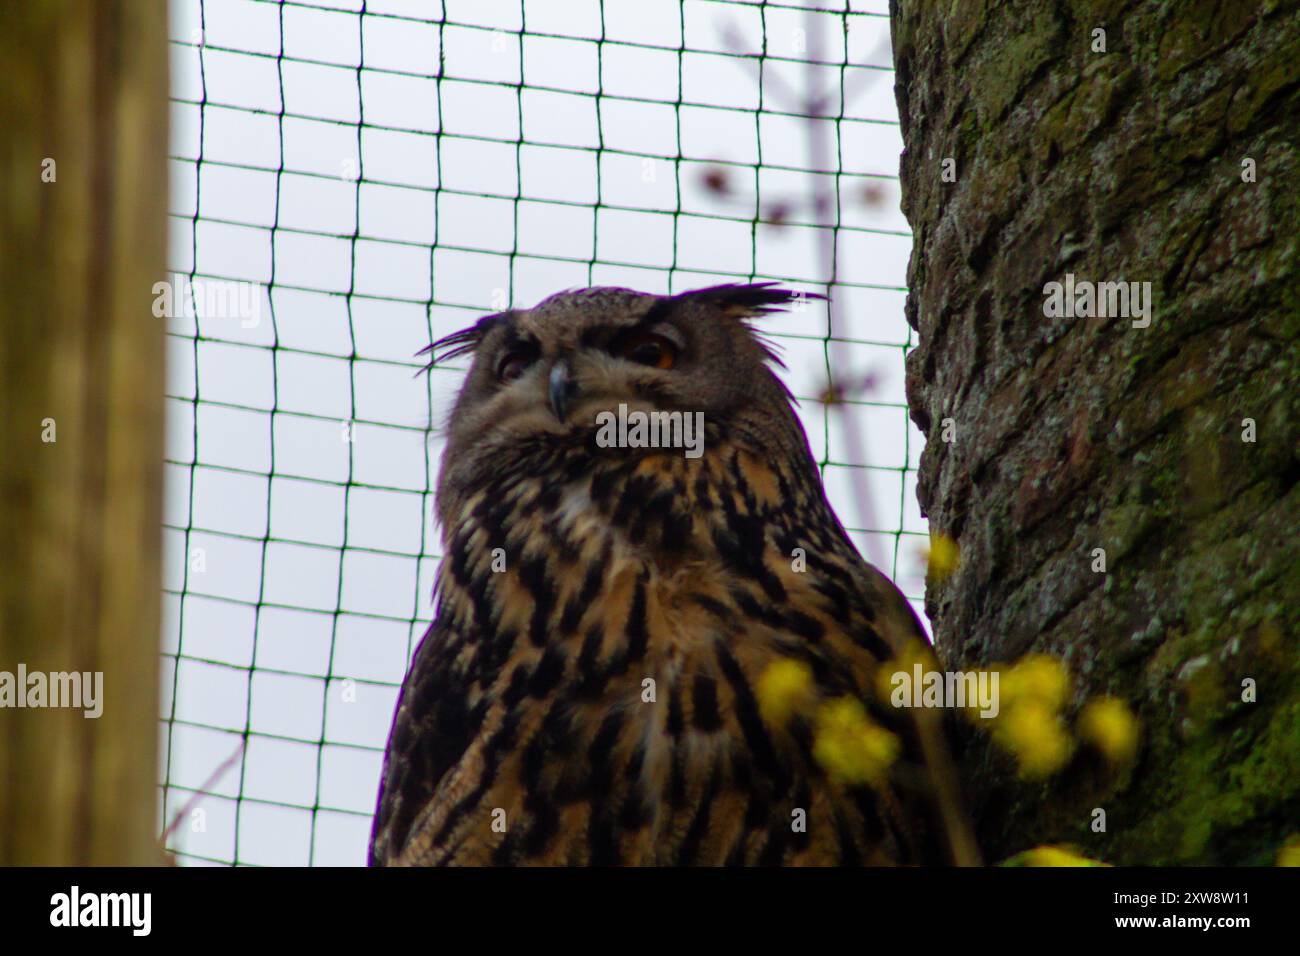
(560, 388)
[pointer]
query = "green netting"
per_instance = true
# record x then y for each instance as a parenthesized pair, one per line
(332, 823)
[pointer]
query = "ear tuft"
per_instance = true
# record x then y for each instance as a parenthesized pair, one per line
(742, 300)
(460, 343)
(747, 301)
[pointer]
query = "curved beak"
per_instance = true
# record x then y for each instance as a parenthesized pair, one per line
(560, 388)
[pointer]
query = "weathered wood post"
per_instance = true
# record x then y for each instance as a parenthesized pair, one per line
(83, 144)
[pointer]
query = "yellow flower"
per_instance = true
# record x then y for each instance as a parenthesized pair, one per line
(784, 689)
(850, 746)
(943, 557)
(1034, 733)
(1036, 677)
(1289, 855)
(1107, 724)
(1051, 856)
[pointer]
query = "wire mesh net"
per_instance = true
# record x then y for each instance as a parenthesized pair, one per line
(349, 181)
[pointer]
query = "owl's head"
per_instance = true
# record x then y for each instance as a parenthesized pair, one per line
(541, 377)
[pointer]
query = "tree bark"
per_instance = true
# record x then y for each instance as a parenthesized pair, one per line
(81, 384)
(1073, 434)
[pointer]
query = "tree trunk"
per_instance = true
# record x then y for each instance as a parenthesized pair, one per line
(1170, 158)
(82, 230)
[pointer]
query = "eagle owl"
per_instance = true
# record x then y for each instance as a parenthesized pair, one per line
(606, 609)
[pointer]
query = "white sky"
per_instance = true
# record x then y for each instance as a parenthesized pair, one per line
(544, 158)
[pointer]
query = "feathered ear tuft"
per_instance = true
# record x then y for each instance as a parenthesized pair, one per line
(743, 300)
(747, 301)
(460, 343)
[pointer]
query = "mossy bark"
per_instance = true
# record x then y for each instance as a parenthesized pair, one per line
(83, 145)
(1073, 434)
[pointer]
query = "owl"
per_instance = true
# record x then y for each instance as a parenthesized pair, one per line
(635, 534)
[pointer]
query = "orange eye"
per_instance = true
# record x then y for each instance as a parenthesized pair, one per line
(513, 366)
(646, 348)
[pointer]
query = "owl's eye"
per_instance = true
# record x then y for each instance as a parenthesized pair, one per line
(646, 348)
(513, 365)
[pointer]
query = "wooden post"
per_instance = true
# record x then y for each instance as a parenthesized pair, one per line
(83, 110)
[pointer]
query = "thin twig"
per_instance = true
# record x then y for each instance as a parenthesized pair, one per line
(199, 794)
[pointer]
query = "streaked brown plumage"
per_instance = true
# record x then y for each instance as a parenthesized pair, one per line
(621, 565)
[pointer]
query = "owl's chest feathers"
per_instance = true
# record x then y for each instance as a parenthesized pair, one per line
(655, 546)
(569, 580)
(614, 628)
(657, 592)
(652, 558)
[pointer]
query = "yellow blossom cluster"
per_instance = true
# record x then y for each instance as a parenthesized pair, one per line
(784, 689)
(852, 747)
(847, 743)
(942, 557)
(1030, 725)
(1051, 856)
(1289, 855)
(1108, 724)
